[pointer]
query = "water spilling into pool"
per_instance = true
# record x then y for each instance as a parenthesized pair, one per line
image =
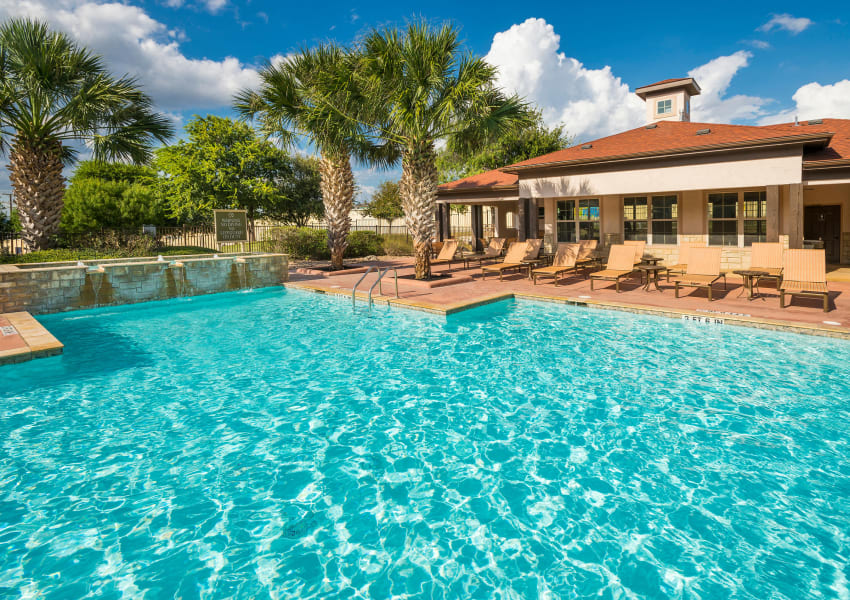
(274, 445)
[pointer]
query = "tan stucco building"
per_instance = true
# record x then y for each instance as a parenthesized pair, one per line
(672, 180)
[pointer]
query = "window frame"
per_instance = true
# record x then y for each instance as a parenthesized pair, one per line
(667, 103)
(653, 220)
(634, 218)
(576, 221)
(740, 218)
(760, 218)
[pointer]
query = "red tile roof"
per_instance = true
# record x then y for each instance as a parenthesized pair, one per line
(666, 81)
(489, 180)
(671, 137)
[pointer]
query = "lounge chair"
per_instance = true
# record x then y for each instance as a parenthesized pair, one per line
(491, 252)
(447, 254)
(435, 248)
(767, 257)
(684, 252)
(564, 262)
(702, 272)
(621, 263)
(639, 246)
(513, 260)
(804, 274)
(586, 248)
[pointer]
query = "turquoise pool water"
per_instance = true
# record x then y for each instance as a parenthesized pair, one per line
(272, 445)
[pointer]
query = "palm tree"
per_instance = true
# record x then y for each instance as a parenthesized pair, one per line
(424, 90)
(298, 97)
(52, 93)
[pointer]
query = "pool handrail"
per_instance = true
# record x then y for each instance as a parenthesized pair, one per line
(354, 289)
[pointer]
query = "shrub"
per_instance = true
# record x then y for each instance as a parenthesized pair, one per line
(113, 243)
(301, 242)
(398, 245)
(364, 243)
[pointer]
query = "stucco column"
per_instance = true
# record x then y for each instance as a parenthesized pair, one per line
(522, 219)
(795, 215)
(501, 221)
(772, 213)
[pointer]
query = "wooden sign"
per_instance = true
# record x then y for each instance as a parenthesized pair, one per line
(231, 226)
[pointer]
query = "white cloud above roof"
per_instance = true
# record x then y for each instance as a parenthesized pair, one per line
(715, 77)
(816, 101)
(134, 43)
(787, 22)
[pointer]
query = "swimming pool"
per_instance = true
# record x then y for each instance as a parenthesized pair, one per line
(273, 445)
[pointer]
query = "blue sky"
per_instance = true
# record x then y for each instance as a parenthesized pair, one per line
(758, 62)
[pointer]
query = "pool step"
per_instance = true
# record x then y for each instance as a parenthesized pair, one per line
(22, 338)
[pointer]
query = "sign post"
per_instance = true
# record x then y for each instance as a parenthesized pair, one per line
(230, 226)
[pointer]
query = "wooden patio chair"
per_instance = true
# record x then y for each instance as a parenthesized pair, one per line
(767, 257)
(804, 274)
(639, 246)
(702, 272)
(513, 260)
(681, 265)
(621, 263)
(564, 262)
(492, 251)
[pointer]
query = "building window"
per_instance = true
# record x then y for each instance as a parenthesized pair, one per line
(635, 218)
(723, 219)
(665, 219)
(577, 220)
(755, 217)
(664, 107)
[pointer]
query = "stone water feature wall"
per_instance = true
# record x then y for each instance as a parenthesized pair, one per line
(56, 287)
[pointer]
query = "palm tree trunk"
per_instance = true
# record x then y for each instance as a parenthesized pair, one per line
(337, 186)
(36, 175)
(418, 191)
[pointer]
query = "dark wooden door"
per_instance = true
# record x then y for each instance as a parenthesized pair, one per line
(824, 223)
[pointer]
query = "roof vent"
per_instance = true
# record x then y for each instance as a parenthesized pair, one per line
(703, 131)
(652, 126)
(815, 122)
(587, 147)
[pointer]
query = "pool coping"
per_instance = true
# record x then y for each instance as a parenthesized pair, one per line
(30, 340)
(708, 317)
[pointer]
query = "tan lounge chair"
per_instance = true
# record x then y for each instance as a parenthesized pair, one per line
(586, 248)
(534, 247)
(564, 262)
(639, 246)
(513, 260)
(767, 257)
(703, 270)
(447, 254)
(804, 274)
(684, 252)
(621, 263)
(492, 251)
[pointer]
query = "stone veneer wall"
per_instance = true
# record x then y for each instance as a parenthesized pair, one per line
(57, 287)
(731, 258)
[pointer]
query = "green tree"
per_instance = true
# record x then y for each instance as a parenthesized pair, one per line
(112, 195)
(302, 96)
(385, 203)
(53, 92)
(422, 89)
(535, 139)
(222, 164)
(301, 195)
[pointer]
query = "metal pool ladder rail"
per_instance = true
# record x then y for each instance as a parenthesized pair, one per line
(359, 281)
(378, 282)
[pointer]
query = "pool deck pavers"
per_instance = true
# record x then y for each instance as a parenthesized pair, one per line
(22, 338)
(732, 306)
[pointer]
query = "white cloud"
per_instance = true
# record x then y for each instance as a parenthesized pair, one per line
(815, 101)
(760, 44)
(134, 43)
(590, 102)
(787, 22)
(714, 77)
(595, 102)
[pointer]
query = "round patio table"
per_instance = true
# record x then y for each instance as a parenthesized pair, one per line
(653, 273)
(751, 280)
(650, 260)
